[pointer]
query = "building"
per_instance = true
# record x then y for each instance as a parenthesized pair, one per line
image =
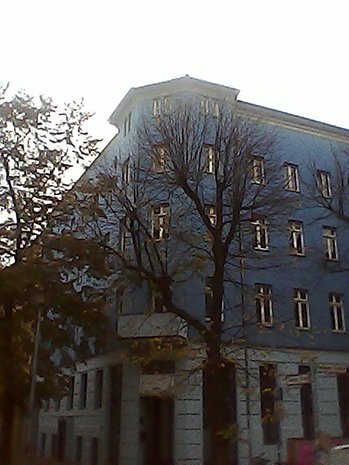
(284, 316)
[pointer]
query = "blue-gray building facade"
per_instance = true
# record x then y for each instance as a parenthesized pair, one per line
(285, 313)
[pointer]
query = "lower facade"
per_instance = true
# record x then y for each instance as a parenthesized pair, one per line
(119, 413)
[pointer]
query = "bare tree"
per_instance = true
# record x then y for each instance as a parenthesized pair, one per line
(191, 201)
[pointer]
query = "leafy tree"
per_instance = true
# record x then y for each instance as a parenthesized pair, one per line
(39, 144)
(183, 206)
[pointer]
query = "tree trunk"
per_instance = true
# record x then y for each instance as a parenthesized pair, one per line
(8, 397)
(219, 409)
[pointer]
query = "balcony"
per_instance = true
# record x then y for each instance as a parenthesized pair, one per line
(153, 325)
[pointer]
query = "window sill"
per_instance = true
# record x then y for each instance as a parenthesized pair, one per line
(303, 329)
(297, 254)
(260, 249)
(338, 331)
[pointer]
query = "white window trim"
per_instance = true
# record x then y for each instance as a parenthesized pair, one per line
(260, 229)
(330, 239)
(160, 159)
(299, 301)
(210, 211)
(296, 231)
(292, 177)
(258, 171)
(264, 297)
(324, 183)
(337, 306)
(210, 159)
(160, 222)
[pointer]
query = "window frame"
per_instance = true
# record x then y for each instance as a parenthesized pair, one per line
(258, 171)
(264, 305)
(337, 308)
(296, 231)
(329, 235)
(210, 156)
(161, 157)
(161, 222)
(210, 212)
(323, 180)
(260, 230)
(83, 390)
(292, 177)
(298, 302)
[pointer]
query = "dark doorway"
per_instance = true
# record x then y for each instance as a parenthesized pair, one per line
(156, 430)
(61, 440)
(343, 397)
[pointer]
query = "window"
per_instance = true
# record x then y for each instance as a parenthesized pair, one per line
(126, 172)
(270, 421)
(70, 399)
(94, 451)
(337, 312)
(324, 183)
(261, 239)
(264, 307)
(330, 243)
(120, 293)
(46, 405)
(208, 299)
(307, 405)
(98, 389)
(43, 444)
(125, 236)
(78, 451)
(57, 404)
(343, 398)
(301, 308)
(157, 305)
(258, 172)
(83, 390)
(54, 445)
(209, 154)
(210, 211)
(160, 219)
(161, 106)
(127, 124)
(161, 158)
(291, 177)
(210, 107)
(296, 238)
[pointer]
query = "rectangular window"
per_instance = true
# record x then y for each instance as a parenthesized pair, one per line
(301, 308)
(208, 299)
(161, 106)
(127, 124)
(337, 312)
(291, 177)
(78, 451)
(98, 400)
(264, 306)
(261, 238)
(270, 420)
(83, 391)
(120, 293)
(126, 172)
(330, 243)
(160, 222)
(258, 171)
(343, 398)
(43, 444)
(210, 107)
(57, 404)
(209, 154)
(307, 405)
(160, 159)
(210, 211)
(157, 305)
(54, 445)
(324, 183)
(70, 398)
(94, 451)
(125, 236)
(296, 238)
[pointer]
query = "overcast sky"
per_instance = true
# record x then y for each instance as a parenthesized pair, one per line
(288, 55)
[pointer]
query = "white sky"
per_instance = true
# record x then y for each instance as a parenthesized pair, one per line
(291, 55)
